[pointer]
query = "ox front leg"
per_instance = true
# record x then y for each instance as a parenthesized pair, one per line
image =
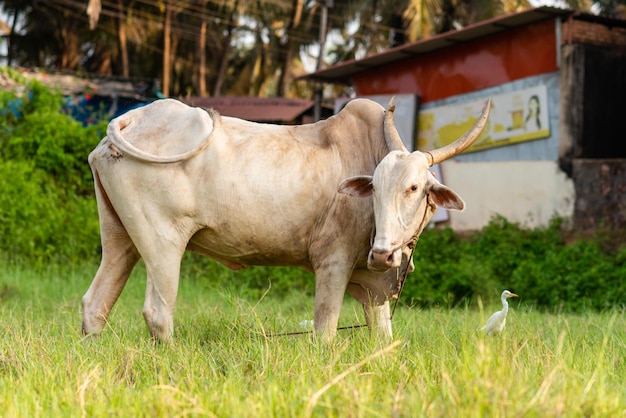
(329, 292)
(119, 256)
(378, 318)
(115, 268)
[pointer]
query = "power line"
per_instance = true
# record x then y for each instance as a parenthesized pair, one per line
(187, 14)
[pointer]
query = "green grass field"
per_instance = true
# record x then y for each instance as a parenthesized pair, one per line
(221, 363)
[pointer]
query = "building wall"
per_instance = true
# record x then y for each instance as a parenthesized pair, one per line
(509, 180)
(600, 193)
(521, 182)
(593, 101)
(592, 33)
(528, 192)
(475, 65)
(542, 149)
(582, 63)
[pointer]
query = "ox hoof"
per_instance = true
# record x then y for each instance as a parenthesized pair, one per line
(92, 326)
(160, 332)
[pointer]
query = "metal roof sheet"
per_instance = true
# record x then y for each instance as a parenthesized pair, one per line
(257, 109)
(342, 72)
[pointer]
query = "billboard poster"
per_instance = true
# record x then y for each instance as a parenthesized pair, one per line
(515, 117)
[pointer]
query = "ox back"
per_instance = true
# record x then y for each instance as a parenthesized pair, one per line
(256, 195)
(170, 178)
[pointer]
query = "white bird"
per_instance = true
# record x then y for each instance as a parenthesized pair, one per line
(496, 322)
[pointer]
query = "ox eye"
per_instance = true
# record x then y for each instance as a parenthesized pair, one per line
(411, 190)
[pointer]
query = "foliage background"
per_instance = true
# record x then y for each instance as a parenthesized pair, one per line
(48, 215)
(47, 208)
(233, 47)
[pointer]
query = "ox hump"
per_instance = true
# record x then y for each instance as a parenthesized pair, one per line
(364, 108)
(163, 131)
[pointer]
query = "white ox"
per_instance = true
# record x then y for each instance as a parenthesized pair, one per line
(170, 178)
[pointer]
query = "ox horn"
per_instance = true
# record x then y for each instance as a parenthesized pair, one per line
(461, 144)
(392, 137)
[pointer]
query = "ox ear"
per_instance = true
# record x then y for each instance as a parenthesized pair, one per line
(445, 197)
(357, 186)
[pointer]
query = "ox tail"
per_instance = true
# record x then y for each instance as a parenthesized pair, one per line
(114, 134)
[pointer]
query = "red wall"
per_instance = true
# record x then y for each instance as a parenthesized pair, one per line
(474, 65)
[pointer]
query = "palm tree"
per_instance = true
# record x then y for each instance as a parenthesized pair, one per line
(232, 14)
(14, 9)
(366, 27)
(290, 45)
(228, 46)
(425, 18)
(122, 38)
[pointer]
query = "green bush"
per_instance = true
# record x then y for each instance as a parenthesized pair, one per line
(47, 208)
(48, 214)
(251, 282)
(539, 264)
(40, 221)
(54, 142)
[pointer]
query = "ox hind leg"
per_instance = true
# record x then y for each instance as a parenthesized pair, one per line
(163, 270)
(161, 246)
(378, 319)
(377, 316)
(119, 256)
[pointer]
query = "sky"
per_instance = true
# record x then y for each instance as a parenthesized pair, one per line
(553, 3)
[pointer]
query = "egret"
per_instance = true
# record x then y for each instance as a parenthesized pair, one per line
(496, 322)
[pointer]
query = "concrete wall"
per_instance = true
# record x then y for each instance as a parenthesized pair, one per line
(528, 192)
(601, 193)
(521, 182)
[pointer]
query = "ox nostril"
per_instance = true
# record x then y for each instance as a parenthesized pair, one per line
(381, 258)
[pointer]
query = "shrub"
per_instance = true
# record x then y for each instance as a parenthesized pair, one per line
(48, 213)
(539, 264)
(36, 131)
(40, 221)
(47, 208)
(251, 282)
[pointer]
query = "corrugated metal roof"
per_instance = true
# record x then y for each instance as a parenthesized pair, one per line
(256, 109)
(69, 84)
(342, 72)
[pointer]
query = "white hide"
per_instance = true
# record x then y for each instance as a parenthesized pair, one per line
(171, 178)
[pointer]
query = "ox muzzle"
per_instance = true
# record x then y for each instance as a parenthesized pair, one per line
(381, 260)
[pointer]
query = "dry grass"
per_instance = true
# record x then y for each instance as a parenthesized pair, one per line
(220, 364)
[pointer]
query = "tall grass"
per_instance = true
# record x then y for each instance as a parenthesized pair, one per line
(222, 363)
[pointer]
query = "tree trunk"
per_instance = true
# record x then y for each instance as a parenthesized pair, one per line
(221, 73)
(201, 87)
(167, 61)
(121, 35)
(283, 79)
(70, 48)
(258, 69)
(11, 45)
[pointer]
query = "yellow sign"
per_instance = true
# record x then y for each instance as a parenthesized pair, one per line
(515, 117)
